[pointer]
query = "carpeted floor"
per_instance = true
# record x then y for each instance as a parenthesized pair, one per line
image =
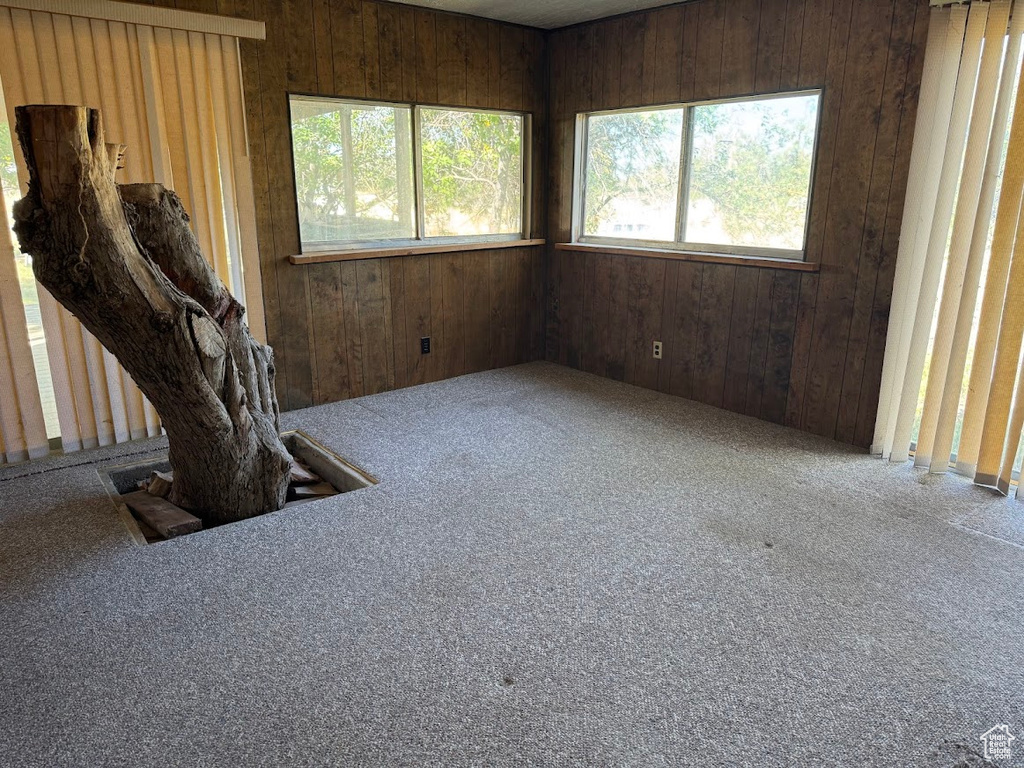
(555, 569)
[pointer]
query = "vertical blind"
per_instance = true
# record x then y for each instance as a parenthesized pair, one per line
(22, 427)
(174, 97)
(952, 390)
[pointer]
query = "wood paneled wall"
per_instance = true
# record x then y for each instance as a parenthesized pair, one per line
(801, 349)
(347, 329)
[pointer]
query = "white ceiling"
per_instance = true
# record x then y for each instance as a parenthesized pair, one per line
(546, 14)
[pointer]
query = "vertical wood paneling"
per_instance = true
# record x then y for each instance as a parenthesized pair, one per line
(668, 30)
(371, 51)
(741, 331)
(389, 35)
(739, 48)
(452, 61)
(710, 39)
(347, 38)
(631, 71)
(426, 57)
(354, 328)
(802, 349)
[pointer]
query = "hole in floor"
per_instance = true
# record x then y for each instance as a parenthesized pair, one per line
(150, 518)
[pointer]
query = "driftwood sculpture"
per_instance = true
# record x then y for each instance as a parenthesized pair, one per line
(124, 261)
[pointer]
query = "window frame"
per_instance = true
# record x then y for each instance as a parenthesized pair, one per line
(419, 215)
(683, 191)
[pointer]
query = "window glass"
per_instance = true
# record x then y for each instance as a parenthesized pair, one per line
(353, 171)
(472, 165)
(750, 172)
(632, 174)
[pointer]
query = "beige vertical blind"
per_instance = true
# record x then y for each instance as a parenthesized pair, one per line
(951, 253)
(22, 428)
(174, 97)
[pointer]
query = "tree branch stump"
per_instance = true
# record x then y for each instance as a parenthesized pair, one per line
(125, 262)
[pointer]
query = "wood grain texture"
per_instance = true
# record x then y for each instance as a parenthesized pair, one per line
(804, 349)
(351, 328)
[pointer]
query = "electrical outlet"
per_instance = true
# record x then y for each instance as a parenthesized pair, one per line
(425, 345)
(657, 350)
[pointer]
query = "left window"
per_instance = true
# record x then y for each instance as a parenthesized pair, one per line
(374, 174)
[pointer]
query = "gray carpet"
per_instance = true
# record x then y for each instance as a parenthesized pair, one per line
(555, 569)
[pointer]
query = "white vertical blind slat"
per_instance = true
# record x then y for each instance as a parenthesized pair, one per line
(942, 62)
(968, 197)
(967, 450)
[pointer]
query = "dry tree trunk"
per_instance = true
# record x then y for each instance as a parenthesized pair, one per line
(125, 262)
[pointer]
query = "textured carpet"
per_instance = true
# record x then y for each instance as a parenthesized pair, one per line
(555, 569)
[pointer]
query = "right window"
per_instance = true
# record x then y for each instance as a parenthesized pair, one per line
(724, 177)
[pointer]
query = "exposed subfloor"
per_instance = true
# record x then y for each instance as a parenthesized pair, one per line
(555, 569)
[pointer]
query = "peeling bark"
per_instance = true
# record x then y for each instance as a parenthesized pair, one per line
(125, 262)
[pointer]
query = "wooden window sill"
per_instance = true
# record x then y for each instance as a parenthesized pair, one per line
(708, 258)
(322, 257)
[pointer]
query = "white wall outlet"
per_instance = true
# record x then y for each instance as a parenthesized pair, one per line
(657, 350)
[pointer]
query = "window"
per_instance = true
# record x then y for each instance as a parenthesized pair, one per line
(729, 176)
(369, 173)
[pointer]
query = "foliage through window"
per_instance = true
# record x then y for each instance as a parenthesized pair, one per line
(730, 176)
(376, 173)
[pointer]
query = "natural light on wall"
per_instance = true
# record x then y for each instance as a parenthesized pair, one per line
(952, 391)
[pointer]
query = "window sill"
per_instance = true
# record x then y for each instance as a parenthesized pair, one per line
(319, 257)
(708, 258)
